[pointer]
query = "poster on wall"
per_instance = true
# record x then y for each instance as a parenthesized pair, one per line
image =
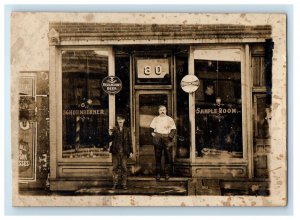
(164, 109)
(27, 129)
(27, 151)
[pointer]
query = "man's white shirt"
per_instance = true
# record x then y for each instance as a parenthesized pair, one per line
(163, 124)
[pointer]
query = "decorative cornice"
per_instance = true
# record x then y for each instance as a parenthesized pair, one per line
(53, 37)
(150, 32)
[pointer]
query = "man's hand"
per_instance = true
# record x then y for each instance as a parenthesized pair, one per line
(110, 131)
(172, 133)
(153, 134)
(130, 155)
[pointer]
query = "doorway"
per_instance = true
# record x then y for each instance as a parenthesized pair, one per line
(147, 102)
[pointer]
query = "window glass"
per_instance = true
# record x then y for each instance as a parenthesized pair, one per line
(263, 116)
(148, 109)
(218, 104)
(84, 103)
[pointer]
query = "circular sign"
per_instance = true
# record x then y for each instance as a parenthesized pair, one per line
(190, 83)
(111, 84)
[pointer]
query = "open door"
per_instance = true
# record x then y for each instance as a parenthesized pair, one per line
(147, 102)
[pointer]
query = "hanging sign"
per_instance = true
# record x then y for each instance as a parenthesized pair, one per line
(190, 83)
(111, 85)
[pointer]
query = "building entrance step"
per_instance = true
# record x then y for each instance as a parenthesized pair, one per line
(142, 186)
(145, 190)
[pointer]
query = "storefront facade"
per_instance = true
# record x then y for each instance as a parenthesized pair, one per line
(222, 127)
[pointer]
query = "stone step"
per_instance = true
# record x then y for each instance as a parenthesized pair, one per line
(247, 187)
(204, 187)
(142, 186)
(146, 190)
(148, 185)
(151, 181)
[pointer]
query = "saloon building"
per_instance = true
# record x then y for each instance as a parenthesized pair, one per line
(214, 79)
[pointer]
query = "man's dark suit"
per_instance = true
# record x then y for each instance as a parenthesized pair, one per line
(121, 141)
(121, 148)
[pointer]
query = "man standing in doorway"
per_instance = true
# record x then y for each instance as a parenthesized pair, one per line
(164, 130)
(121, 149)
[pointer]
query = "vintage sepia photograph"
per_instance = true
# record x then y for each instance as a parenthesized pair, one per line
(148, 109)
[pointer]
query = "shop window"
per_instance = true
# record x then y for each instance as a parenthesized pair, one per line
(262, 116)
(84, 103)
(218, 104)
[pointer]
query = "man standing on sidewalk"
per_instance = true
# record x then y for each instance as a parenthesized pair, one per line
(164, 130)
(121, 149)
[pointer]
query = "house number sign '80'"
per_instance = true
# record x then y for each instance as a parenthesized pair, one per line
(152, 68)
(157, 70)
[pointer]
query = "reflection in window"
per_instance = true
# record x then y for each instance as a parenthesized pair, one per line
(218, 105)
(85, 104)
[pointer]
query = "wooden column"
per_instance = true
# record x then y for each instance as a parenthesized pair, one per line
(249, 113)
(192, 109)
(52, 108)
(111, 98)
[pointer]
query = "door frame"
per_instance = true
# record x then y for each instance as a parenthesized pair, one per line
(139, 92)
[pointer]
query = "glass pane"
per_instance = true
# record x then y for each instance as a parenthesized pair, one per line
(85, 104)
(219, 106)
(263, 118)
(148, 110)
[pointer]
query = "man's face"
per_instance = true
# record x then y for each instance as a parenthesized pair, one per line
(162, 111)
(120, 122)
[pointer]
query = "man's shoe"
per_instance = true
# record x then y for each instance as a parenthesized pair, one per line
(157, 177)
(114, 186)
(124, 187)
(167, 177)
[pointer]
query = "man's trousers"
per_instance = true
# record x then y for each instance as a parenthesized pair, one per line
(119, 161)
(162, 143)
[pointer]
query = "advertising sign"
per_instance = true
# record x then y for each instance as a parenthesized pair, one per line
(27, 151)
(111, 84)
(190, 83)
